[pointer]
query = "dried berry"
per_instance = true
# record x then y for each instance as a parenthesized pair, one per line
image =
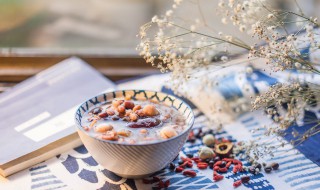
(115, 118)
(216, 159)
(146, 123)
(258, 166)
(160, 184)
(252, 170)
(217, 177)
(146, 181)
(167, 183)
(180, 162)
(275, 166)
(245, 179)
(237, 183)
(172, 166)
(223, 164)
(228, 164)
(185, 159)
(267, 169)
(223, 149)
(128, 105)
(211, 163)
(202, 165)
(103, 115)
(155, 179)
(218, 163)
(179, 169)
(223, 170)
(96, 110)
(189, 164)
(189, 173)
(191, 140)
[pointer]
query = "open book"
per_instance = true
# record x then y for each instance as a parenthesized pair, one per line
(37, 115)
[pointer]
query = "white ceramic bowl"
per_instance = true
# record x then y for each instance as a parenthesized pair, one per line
(134, 160)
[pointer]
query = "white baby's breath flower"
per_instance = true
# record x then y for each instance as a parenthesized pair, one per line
(169, 13)
(224, 20)
(270, 16)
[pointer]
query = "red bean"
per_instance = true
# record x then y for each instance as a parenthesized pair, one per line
(110, 112)
(237, 183)
(103, 115)
(189, 173)
(189, 164)
(128, 105)
(146, 123)
(218, 177)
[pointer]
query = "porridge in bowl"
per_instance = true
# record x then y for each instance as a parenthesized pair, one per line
(129, 121)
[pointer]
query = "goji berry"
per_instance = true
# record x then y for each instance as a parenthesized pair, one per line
(216, 168)
(237, 183)
(202, 165)
(218, 177)
(223, 170)
(236, 162)
(228, 164)
(184, 159)
(179, 169)
(189, 164)
(217, 163)
(227, 159)
(235, 168)
(184, 164)
(155, 179)
(189, 173)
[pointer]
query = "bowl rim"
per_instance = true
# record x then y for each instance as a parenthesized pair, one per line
(144, 144)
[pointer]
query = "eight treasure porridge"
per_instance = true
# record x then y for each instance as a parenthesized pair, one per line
(133, 121)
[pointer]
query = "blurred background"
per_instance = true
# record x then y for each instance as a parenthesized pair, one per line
(35, 34)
